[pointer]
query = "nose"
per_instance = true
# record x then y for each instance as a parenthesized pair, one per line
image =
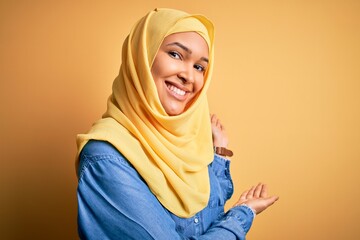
(187, 74)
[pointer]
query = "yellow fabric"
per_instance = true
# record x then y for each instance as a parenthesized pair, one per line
(171, 153)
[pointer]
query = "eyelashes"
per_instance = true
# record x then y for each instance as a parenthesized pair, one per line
(177, 55)
(199, 67)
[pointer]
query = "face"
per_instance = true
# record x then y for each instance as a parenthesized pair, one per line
(178, 70)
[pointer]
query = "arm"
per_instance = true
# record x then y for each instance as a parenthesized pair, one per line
(256, 198)
(113, 200)
(114, 203)
(233, 225)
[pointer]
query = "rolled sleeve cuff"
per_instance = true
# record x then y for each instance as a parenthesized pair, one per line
(243, 214)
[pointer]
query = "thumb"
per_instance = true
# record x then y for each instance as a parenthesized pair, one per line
(271, 200)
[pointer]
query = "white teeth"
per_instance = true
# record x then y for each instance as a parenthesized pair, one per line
(177, 90)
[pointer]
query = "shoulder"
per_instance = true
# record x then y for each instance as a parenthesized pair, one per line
(96, 152)
(96, 147)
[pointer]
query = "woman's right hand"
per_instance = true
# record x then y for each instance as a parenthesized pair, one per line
(257, 198)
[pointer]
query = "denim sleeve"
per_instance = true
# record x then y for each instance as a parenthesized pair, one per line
(115, 203)
(221, 168)
(233, 225)
(237, 221)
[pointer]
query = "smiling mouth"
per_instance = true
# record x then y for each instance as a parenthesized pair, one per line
(175, 90)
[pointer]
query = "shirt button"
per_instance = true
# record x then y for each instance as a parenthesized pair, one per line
(196, 220)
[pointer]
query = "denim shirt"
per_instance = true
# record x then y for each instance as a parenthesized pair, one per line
(114, 202)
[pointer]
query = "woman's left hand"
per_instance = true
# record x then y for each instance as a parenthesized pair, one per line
(257, 198)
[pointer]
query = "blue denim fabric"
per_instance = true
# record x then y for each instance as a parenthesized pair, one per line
(114, 202)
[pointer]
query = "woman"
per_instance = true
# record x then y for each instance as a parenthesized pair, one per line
(147, 169)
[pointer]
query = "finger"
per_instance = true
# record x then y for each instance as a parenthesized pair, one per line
(264, 191)
(218, 124)
(250, 194)
(243, 195)
(271, 200)
(258, 190)
(260, 204)
(213, 118)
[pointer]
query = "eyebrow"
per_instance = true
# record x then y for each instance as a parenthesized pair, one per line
(186, 49)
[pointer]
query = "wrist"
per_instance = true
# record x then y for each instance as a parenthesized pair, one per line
(248, 207)
(222, 151)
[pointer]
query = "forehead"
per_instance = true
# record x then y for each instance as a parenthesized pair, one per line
(192, 40)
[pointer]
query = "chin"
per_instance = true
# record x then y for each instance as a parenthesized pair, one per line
(174, 112)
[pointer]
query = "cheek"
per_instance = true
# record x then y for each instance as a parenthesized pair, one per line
(161, 65)
(199, 84)
(155, 69)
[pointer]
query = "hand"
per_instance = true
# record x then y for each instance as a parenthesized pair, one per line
(257, 198)
(220, 138)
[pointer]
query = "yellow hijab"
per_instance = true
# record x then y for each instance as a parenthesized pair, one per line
(171, 153)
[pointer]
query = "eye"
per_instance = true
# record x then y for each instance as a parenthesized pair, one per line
(174, 54)
(199, 68)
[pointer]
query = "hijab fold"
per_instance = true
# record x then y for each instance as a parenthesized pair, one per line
(171, 153)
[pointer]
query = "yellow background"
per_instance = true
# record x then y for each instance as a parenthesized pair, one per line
(286, 86)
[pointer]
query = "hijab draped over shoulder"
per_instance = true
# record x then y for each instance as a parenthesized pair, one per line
(171, 153)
